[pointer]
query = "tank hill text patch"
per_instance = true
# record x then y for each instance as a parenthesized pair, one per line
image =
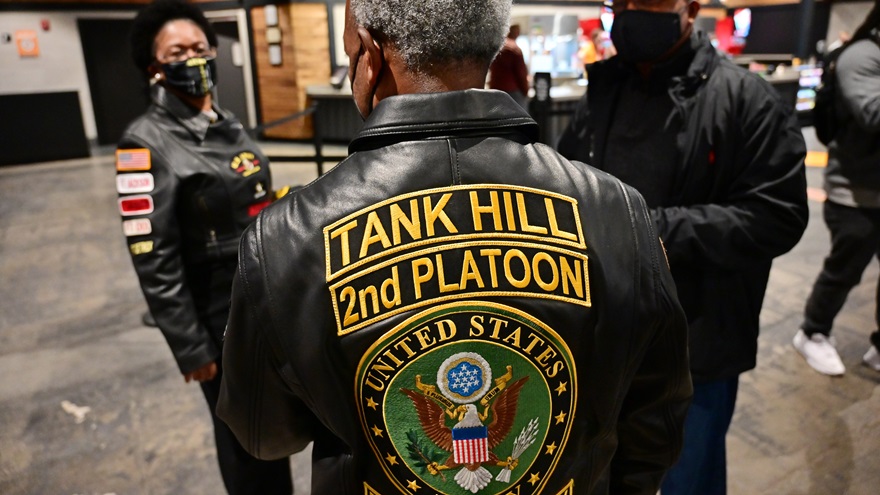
(453, 243)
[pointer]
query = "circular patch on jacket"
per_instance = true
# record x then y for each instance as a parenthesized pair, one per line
(245, 164)
(468, 397)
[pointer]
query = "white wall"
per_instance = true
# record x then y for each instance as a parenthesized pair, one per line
(60, 66)
(846, 16)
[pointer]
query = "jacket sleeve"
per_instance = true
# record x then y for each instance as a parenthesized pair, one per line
(157, 261)
(268, 418)
(763, 211)
(574, 143)
(651, 421)
(858, 77)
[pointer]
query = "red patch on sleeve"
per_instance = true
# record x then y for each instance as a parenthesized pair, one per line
(257, 208)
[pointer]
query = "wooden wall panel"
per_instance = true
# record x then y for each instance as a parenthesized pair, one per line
(305, 60)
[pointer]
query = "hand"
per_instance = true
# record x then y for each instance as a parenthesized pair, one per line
(204, 374)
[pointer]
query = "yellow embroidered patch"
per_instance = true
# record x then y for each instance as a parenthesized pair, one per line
(142, 247)
(453, 243)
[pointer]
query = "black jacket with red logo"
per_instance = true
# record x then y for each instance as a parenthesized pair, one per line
(188, 187)
(456, 309)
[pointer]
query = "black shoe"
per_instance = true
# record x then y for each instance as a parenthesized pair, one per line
(148, 320)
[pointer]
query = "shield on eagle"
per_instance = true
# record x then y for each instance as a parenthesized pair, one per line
(470, 445)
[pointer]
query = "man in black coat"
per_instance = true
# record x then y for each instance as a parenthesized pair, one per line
(455, 308)
(719, 160)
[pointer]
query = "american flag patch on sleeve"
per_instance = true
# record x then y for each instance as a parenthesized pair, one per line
(133, 159)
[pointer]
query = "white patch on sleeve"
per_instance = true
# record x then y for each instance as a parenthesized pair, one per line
(135, 183)
(137, 226)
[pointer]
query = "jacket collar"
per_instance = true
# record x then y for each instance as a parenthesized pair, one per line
(192, 119)
(701, 66)
(704, 63)
(421, 116)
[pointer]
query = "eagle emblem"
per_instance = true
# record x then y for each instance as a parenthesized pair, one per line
(467, 398)
(467, 415)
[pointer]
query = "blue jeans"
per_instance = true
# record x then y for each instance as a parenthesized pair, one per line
(702, 467)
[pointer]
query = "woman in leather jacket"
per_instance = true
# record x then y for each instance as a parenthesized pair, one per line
(189, 181)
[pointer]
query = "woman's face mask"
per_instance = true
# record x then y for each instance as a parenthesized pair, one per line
(642, 36)
(194, 76)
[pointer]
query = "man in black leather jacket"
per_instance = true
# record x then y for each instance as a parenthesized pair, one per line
(719, 159)
(455, 309)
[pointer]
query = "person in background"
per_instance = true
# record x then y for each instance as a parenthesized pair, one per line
(189, 181)
(455, 308)
(508, 71)
(587, 53)
(843, 38)
(597, 47)
(852, 210)
(604, 46)
(720, 161)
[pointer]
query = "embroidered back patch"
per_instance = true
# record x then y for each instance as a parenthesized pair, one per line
(454, 243)
(468, 397)
(245, 164)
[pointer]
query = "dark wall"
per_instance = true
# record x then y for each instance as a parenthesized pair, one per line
(118, 88)
(775, 29)
(41, 127)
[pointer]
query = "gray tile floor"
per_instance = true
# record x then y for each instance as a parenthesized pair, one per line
(71, 339)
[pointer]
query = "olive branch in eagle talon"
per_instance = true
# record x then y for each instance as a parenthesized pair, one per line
(433, 421)
(423, 455)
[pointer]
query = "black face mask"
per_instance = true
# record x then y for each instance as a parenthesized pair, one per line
(194, 76)
(641, 36)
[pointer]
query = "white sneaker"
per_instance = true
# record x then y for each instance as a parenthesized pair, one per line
(872, 359)
(820, 353)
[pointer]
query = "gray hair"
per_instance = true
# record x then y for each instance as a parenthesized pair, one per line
(431, 32)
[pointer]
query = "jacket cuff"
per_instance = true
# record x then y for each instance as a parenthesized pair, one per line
(196, 357)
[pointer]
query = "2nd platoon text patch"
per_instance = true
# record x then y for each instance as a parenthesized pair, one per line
(454, 243)
(468, 397)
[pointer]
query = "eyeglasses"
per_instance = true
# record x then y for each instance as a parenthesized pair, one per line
(179, 54)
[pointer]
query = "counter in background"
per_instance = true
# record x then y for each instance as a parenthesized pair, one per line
(337, 118)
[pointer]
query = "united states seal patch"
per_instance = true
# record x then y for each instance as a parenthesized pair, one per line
(468, 397)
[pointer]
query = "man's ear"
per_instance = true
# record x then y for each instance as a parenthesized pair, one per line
(373, 55)
(693, 10)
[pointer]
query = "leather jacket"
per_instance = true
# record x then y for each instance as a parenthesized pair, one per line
(459, 309)
(187, 189)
